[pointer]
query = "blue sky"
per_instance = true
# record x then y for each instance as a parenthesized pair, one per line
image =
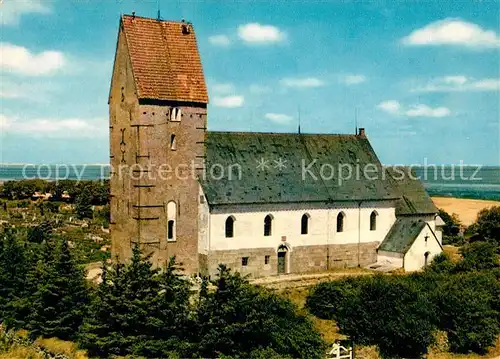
(424, 77)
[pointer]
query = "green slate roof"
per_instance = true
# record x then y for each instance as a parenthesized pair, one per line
(413, 199)
(289, 185)
(402, 235)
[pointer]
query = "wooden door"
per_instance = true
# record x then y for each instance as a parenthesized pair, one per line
(281, 262)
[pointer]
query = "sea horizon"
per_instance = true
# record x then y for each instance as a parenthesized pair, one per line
(474, 182)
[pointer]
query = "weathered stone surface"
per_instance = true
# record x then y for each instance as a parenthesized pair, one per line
(304, 259)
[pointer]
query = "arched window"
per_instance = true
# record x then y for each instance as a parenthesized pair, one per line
(230, 227)
(268, 223)
(340, 222)
(171, 215)
(373, 221)
(304, 224)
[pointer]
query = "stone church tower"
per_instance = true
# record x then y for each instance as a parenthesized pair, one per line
(158, 119)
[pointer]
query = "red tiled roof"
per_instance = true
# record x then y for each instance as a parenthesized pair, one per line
(165, 60)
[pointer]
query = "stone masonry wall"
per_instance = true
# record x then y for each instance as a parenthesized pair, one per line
(147, 173)
(303, 259)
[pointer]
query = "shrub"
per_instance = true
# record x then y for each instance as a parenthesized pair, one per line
(488, 224)
(440, 264)
(468, 310)
(478, 256)
(326, 298)
(452, 223)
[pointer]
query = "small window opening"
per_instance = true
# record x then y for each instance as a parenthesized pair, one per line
(170, 231)
(175, 114)
(173, 143)
(244, 261)
(266, 259)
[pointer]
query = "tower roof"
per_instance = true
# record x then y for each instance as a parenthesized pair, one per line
(165, 59)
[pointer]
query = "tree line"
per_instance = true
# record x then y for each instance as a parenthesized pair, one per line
(138, 310)
(97, 191)
(402, 314)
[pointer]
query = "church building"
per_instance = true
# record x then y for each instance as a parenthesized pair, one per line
(262, 203)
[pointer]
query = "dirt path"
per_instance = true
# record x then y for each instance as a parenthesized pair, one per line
(306, 280)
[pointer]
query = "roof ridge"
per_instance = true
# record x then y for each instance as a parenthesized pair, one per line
(155, 20)
(282, 133)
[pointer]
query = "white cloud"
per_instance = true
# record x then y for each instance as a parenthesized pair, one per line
(354, 79)
(254, 33)
(302, 82)
(4, 123)
(219, 40)
(259, 89)
(229, 101)
(394, 108)
(10, 94)
(280, 118)
(453, 32)
(17, 59)
(459, 83)
(391, 106)
(12, 10)
(48, 127)
(223, 88)
(426, 111)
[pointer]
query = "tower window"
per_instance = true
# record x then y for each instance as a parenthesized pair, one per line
(266, 259)
(340, 222)
(170, 230)
(171, 227)
(244, 261)
(373, 221)
(304, 224)
(268, 222)
(173, 143)
(175, 114)
(230, 227)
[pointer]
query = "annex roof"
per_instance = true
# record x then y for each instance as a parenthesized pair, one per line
(413, 198)
(165, 59)
(402, 235)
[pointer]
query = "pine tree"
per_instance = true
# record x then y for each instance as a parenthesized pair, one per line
(120, 313)
(83, 204)
(13, 272)
(100, 331)
(41, 232)
(169, 323)
(61, 297)
(241, 320)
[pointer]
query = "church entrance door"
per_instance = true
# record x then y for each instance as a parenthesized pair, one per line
(282, 262)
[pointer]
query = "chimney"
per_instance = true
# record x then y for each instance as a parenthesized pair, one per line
(361, 132)
(133, 14)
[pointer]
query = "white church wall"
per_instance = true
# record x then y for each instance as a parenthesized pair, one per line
(415, 257)
(249, 224)
(392, 258)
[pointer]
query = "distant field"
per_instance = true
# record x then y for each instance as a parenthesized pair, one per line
(466, 209)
